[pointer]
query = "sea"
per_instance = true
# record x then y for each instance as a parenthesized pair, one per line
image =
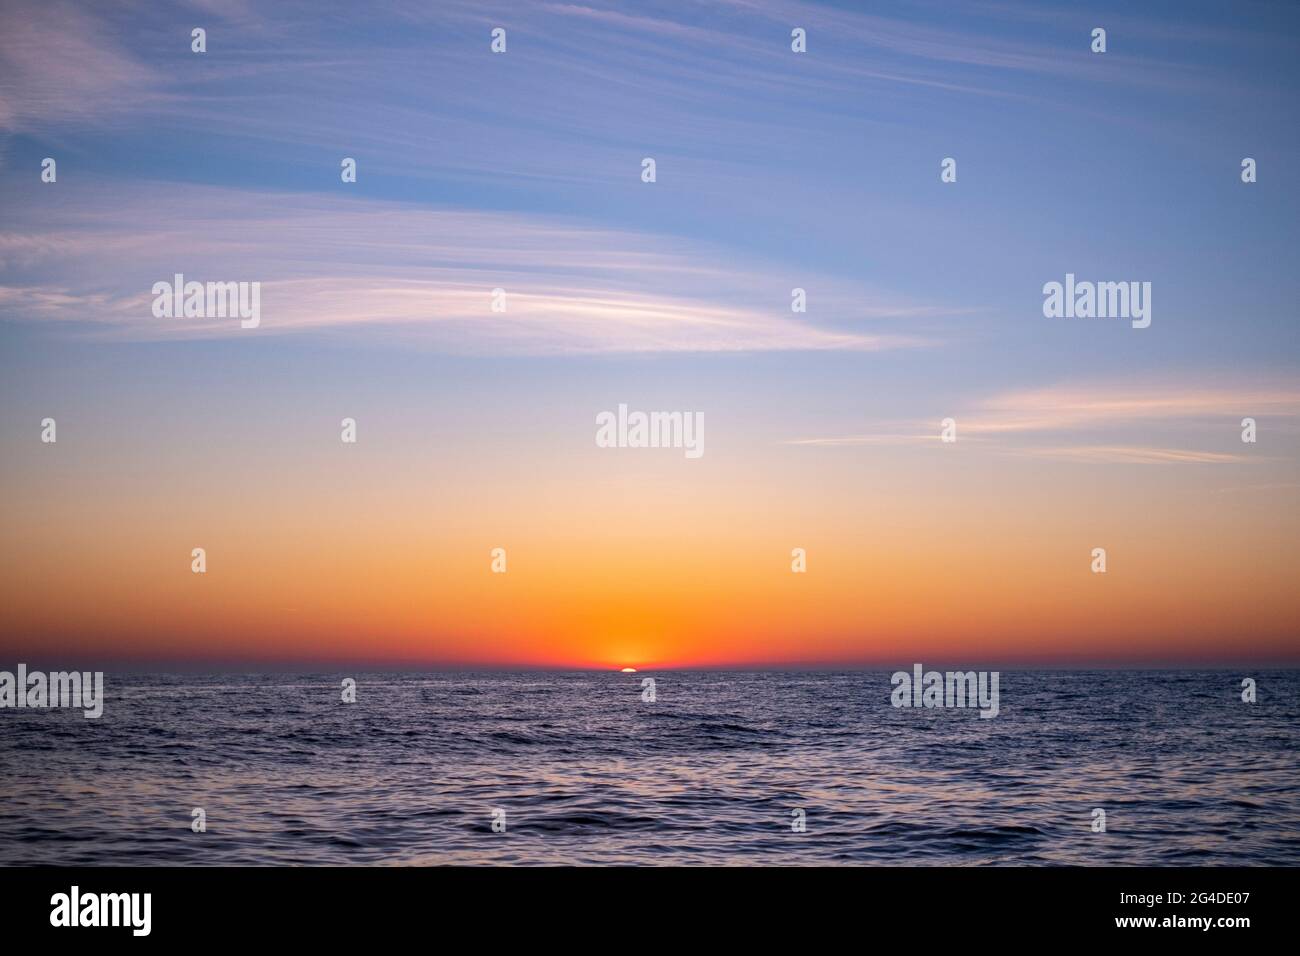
(1088, 768)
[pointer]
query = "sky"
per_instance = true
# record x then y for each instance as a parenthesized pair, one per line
(774, 170)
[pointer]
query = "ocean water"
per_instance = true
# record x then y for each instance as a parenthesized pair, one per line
(709, 773)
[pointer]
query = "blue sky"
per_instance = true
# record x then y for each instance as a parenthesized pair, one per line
(776, 170)
(809, 169)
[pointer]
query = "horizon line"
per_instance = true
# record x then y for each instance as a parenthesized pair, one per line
(374, 667)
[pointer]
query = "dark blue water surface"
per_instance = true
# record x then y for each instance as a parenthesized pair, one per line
(589, 773)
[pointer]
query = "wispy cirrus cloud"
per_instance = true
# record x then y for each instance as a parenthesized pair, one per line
(427, 275)
(1034, 422)
(1133, 455)
(60, 63)
(1099, 405)
(70, 64)
(883, 438)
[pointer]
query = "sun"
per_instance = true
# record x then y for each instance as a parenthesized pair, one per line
(629, 670)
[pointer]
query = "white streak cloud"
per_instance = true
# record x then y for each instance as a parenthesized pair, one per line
(424, 275)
